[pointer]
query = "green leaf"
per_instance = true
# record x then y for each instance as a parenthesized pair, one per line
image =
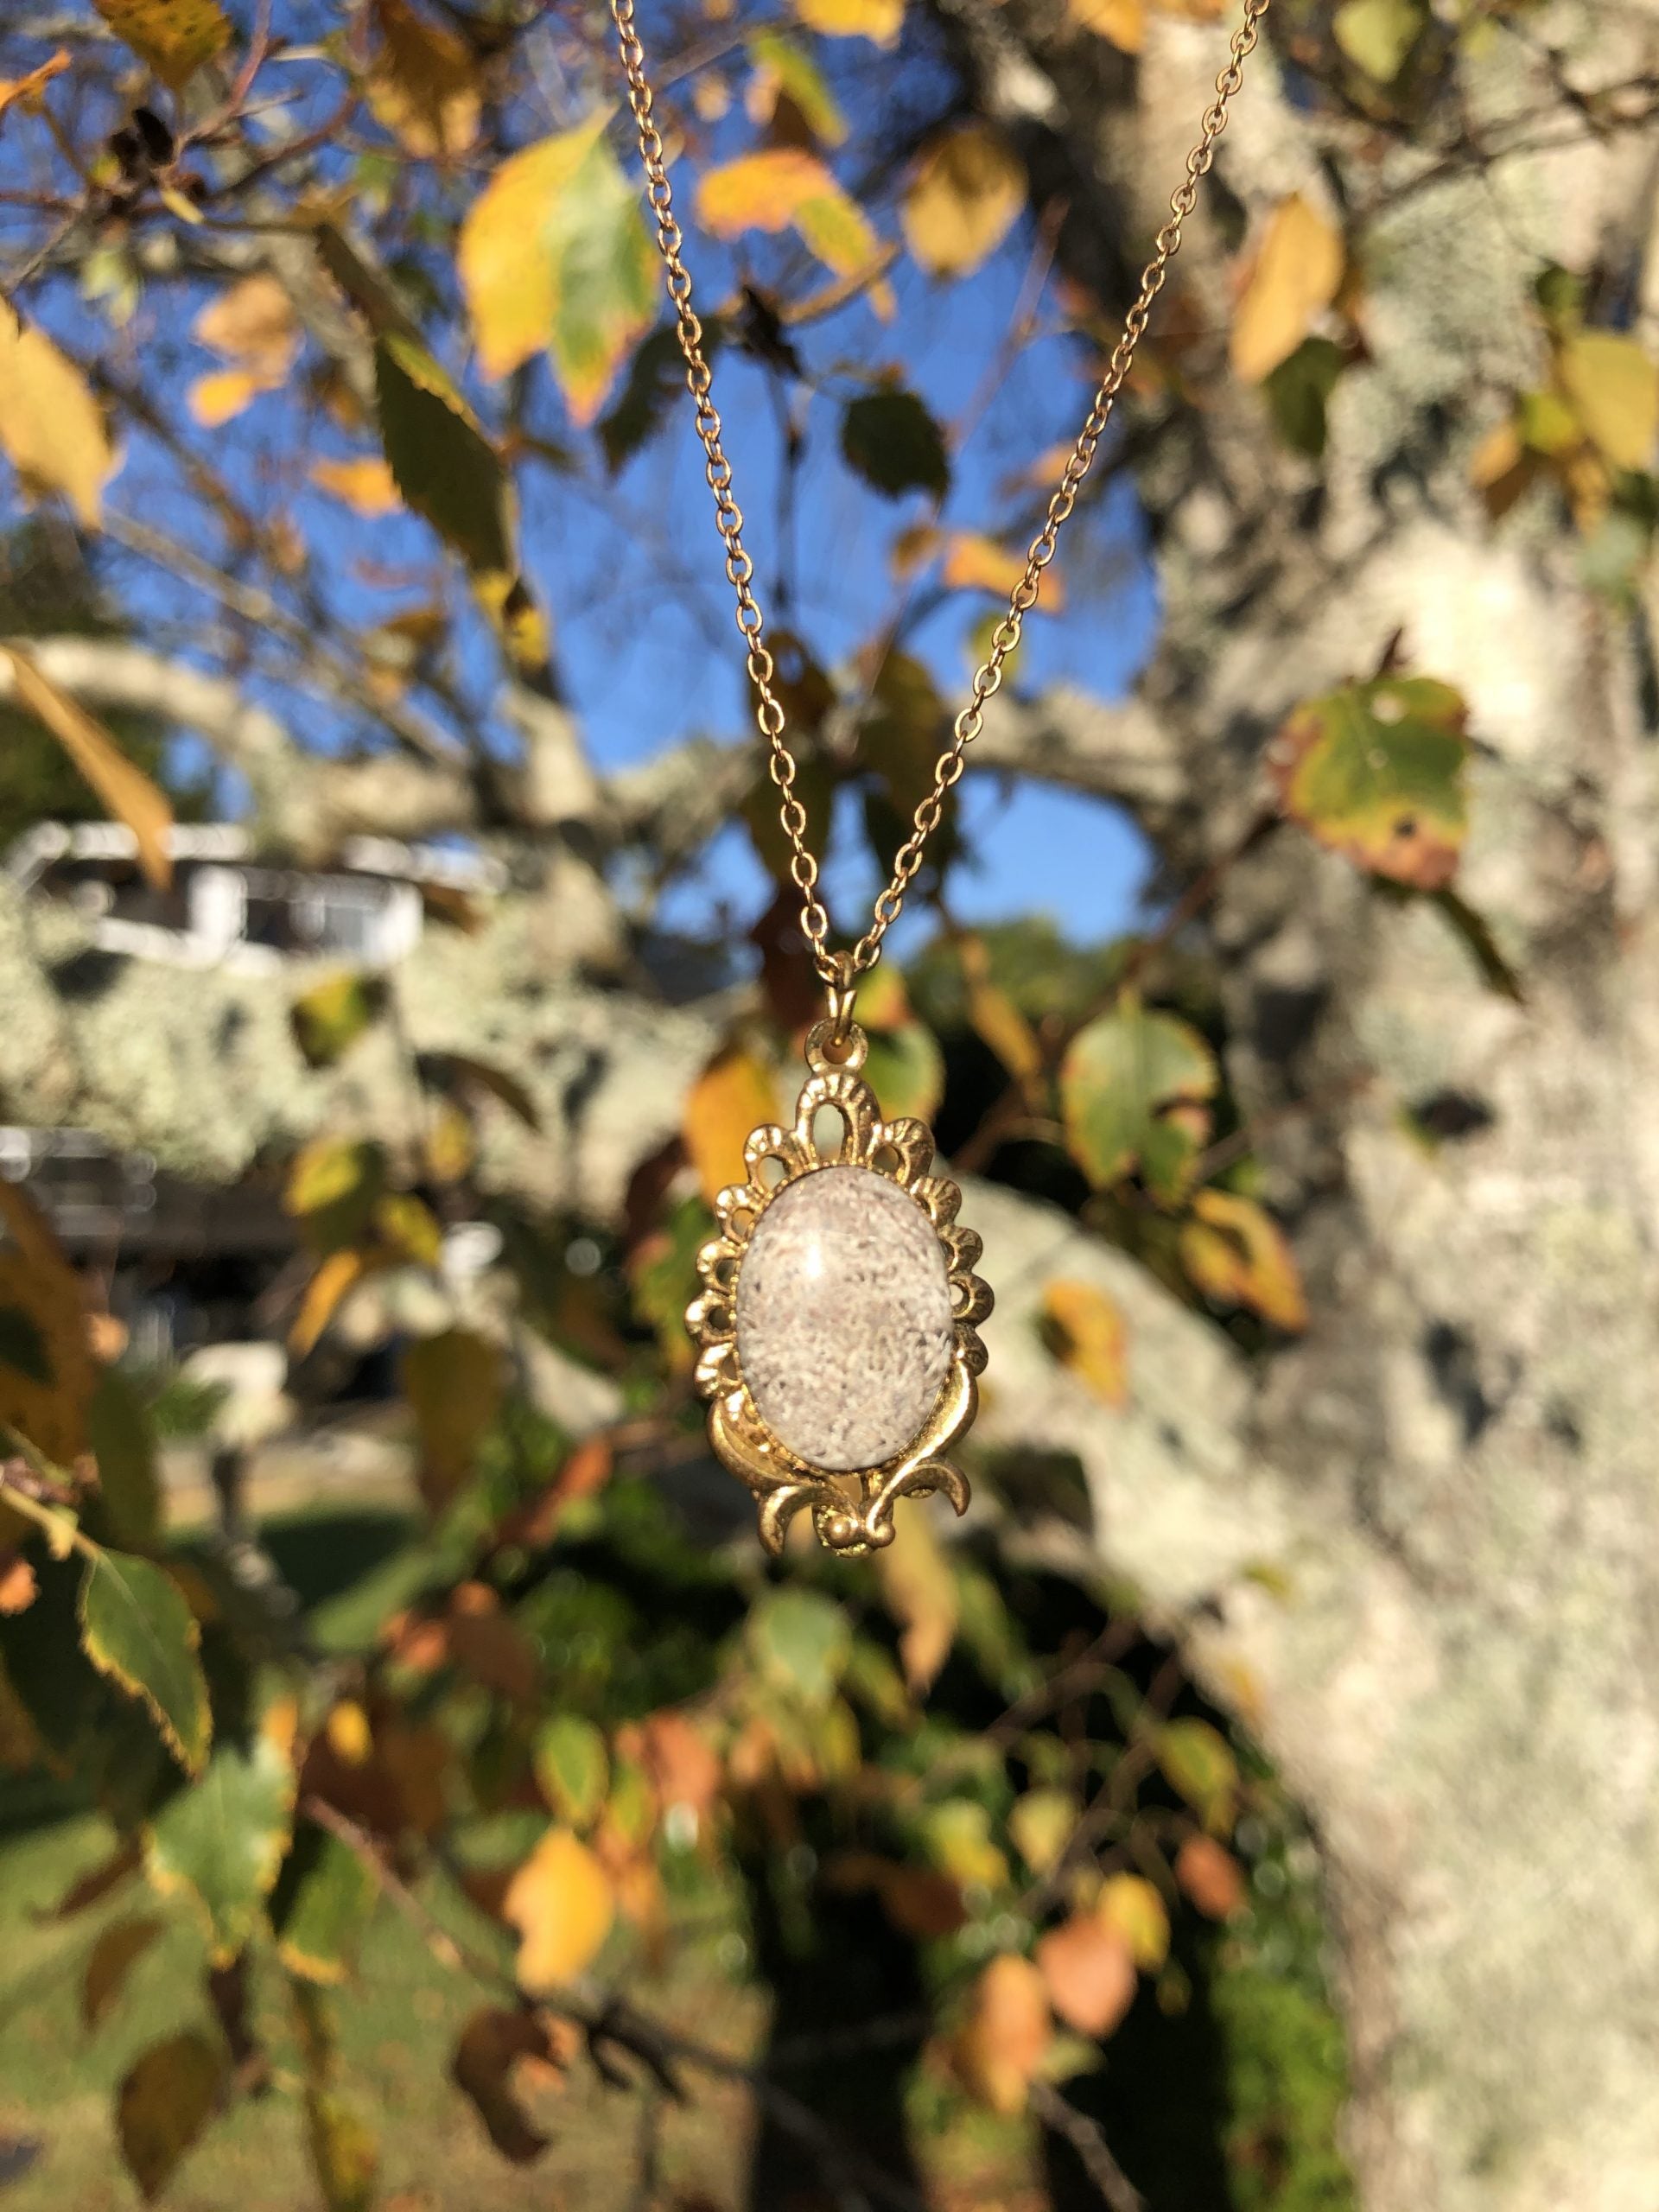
(555, 253)
(1613, 384)
(573, 1768)
(791, 70)
(120, 1432)
(333, 1014)
(137, 1629)
(1198, 1762)
(222, 1841)
(1131, 1089)
(345, 2153)
(891, 440)
(334, 1186)
(1376, 770)
(801, 1641)
(1376, 35)
(905, 1066)
(163, 2105)
(321, 1906)
(444, 465)
(1297, 392)
(654, 380)
(906, 728)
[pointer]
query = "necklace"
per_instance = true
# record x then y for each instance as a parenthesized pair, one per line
(837, 1323)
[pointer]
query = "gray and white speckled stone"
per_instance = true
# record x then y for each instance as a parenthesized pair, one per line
(844, 1333)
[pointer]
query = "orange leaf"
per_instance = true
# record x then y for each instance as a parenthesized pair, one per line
(1087, 1334)
(976, 563)
(1000, 2047)
(1237, 1254)
(323, 1294)
(365, 485)
(561, 1904)
(1088, 1970)
(735, 1095)
(18, 1587)
(1123, 22)
(761, 191)
(1211, 1876)
(27, 90)
(254, 325)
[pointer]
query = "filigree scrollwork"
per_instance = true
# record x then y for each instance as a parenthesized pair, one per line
(851, 1513)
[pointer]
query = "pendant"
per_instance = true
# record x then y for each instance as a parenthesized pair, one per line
(836, 1326)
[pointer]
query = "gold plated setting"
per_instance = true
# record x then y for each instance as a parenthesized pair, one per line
(851, 1513)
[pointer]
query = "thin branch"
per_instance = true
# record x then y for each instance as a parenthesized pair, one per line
(1093, 2152)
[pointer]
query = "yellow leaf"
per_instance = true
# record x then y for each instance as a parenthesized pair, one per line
(761, 191)
(46, 1370)
(254, 325)
(555, 254)
(364, 485)
(964, 199)
(126, 790)
(422, 82)
(1130, 1903)
(51, 427)
(26, 92)
(1000, 2047)
(1297, 272)
(1614, 389)
(323, 1294)
(1087, 1332)
(561, 1904)
(1237, 1254)
(453, 1383)
(879, 20)
(733, 1095)
(222, 394)
(919, 1591)
(174, 36)
(1123, 22)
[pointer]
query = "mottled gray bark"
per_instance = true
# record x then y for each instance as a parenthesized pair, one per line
(1456, 1659)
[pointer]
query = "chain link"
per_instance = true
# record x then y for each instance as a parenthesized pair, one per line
(838, 969)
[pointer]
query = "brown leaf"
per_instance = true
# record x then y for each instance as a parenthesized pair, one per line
(561, 1904)
(1000, 2047)
(683, 1766)
(1211, 1876)
(126, 790)
(163, 2105)
(48, 1374)
(1088, 1970)
(489, 1646)
(921, 1901)
(117, 1951)
(495, 2045)
(422, 83)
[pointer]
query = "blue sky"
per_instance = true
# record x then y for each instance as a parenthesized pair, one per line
(630, 567)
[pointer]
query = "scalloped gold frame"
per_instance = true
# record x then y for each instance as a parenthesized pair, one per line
(852, 1512)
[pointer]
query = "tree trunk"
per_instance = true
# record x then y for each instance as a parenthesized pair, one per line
(1421, 1550)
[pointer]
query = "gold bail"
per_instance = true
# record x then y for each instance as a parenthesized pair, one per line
(841, 993)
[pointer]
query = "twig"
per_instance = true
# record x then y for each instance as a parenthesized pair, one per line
(1093, 2152)
(609, 2019)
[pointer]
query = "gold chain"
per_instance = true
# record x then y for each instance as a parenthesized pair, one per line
(838, 969)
